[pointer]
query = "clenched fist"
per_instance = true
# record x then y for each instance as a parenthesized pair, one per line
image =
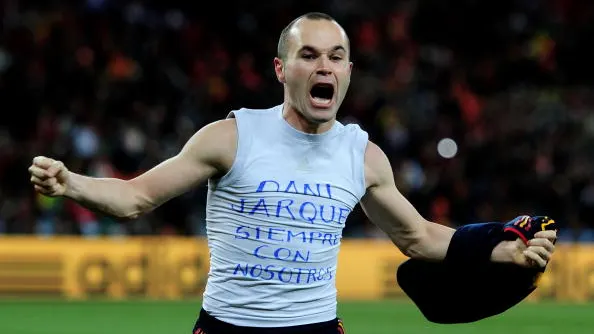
(537, 252)
(535, 239)
(49, 176)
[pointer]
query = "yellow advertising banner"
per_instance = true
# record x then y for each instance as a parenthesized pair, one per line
(176, 267)
(367, 270)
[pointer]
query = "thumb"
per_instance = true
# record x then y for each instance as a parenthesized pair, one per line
(518, 253)
(55, 168)
(520, 245)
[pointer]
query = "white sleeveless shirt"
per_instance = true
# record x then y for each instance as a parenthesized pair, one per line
(274, 221)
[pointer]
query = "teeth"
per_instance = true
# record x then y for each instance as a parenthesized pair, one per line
(321, 100)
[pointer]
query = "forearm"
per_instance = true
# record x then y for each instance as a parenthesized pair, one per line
(432, 243)
(436, 241)
(110, 196)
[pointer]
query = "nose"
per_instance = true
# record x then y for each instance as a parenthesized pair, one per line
(324, 66)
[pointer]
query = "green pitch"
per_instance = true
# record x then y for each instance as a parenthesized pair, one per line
(386, 317)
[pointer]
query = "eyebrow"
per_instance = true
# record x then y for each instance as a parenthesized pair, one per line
(312, 49)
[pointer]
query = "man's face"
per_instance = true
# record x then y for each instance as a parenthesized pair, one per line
(317, 70)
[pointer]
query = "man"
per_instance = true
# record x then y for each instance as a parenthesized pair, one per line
(282, 182)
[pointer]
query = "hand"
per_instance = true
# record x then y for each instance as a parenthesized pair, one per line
(49, 176)
(537, 252)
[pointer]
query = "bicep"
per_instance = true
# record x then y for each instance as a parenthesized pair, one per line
(389, 209)
(206, 154)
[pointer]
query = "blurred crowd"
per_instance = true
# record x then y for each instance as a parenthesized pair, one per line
(114, 87)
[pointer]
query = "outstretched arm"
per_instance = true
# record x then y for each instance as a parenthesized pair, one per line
(419, 238)
(209, 152)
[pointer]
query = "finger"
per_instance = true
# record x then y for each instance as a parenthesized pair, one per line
(541, 251)
(43, 162)
(42, 190)
(551, 234)
(55, 168)
(38, 172)
(51, 182)
(530, 255)
(546, 243)
(47, 183)
(36, 181)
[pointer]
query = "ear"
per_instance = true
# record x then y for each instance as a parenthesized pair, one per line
(279, 69)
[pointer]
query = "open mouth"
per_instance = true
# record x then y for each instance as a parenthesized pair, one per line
(322, 94)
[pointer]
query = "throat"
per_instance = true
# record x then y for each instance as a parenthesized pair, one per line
(300, 123)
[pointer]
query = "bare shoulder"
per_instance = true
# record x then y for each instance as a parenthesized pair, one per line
(222, 132)
(214, 144)
(377, 166)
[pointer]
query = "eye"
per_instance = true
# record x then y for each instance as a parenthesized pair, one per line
(308, 56)
(336, 58)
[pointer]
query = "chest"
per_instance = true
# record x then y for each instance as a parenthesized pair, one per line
(312, 190)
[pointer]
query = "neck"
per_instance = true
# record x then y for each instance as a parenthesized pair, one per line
(299, 122)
